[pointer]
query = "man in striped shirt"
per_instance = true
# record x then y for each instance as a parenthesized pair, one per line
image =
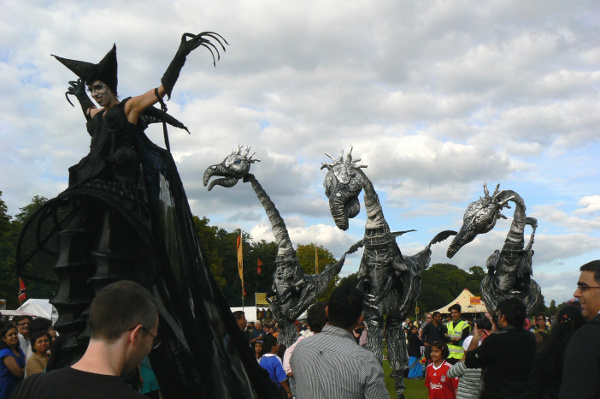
(331, 364)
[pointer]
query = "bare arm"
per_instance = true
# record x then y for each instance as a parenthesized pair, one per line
(286, 386)
(13, 367)
(136, 105)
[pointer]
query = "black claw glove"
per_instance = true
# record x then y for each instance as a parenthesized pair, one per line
(77, 89)
(188, 44)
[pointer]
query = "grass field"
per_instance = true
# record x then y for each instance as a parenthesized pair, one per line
(415, 389)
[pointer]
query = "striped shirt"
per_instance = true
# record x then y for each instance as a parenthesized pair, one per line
(331, 365)
(469, 381)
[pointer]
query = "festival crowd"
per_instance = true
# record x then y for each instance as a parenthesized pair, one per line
(496, 356)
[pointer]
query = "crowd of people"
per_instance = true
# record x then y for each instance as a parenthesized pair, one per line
(496, 356)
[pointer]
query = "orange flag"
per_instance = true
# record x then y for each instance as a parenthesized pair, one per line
(240, 260)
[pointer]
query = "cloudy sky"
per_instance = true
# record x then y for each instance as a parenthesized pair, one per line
(436, 98)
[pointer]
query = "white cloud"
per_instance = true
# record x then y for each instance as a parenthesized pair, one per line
(436, 97)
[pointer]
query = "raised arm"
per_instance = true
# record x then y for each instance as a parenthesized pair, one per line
(189, 42)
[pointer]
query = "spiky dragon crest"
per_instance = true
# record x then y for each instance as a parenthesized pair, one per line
(509, 269)
(294, 291)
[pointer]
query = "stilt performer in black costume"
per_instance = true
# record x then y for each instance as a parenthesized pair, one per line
(125, 215)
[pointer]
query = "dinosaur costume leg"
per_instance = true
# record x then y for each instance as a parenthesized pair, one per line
(397, 356)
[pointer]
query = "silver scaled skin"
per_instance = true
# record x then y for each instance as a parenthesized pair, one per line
(390, 281)
(294, 291)
(509, 269)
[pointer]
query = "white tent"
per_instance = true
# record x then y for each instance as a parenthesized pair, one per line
(41, 308)
(467, 301)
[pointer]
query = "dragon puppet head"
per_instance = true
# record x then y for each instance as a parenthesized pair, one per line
(234, 167)
(343, 185)
(479, 218)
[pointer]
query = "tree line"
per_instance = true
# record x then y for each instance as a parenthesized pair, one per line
(441, 282)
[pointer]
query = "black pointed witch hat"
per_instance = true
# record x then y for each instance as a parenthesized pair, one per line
(105, 70)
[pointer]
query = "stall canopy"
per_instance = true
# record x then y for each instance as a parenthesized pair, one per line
(468, 302)
(41, 308)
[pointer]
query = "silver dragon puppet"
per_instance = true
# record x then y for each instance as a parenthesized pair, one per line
(509, 269)
(390, 281)
(294, 291)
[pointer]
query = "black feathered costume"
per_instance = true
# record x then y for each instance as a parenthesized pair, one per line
(125, 215)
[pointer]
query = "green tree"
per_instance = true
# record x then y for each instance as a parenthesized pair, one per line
(9, 234)
(208, 241)
(552, 309)
(307, 259)
(442, 282)
(349, 281)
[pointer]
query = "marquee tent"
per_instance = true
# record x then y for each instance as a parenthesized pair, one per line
(41, 308)
(467, 301)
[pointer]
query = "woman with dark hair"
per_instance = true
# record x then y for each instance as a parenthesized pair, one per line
(545, 377)
(40, 344)
(12, 360)
(258, 351)
(415, 370)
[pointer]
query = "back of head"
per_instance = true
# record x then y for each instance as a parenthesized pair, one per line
(593, 266)
(268, 343)
(345, 307)
(39, 324)
(238, 314)
(109, 318)
(317, 317)
(568, 320)
(569, 316)
(514, 311)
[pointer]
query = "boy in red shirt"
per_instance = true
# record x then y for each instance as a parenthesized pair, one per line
(439, 385)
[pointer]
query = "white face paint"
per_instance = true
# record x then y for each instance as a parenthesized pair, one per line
(101, 93)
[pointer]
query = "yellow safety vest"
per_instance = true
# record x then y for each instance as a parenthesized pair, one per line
(456, 351)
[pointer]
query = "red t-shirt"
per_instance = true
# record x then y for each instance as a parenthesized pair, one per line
(439, 385)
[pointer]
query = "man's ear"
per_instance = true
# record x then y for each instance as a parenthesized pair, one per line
(327, 311)
(134, 333)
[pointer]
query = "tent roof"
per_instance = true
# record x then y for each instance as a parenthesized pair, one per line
(464, 300)
(41, 308)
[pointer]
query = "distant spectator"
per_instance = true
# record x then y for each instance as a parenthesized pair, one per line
(272, 364)
(22, 324)
(434, 331)
(258, 333)
(258, 350)
(415, 370)
(438, 384)
(40, 344)
(581, 373)
(545, 377)
(540, 324)
(12, 360)
(457, 331)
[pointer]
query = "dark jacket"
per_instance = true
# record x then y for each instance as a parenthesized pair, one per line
(505, 358)
(581, 372)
